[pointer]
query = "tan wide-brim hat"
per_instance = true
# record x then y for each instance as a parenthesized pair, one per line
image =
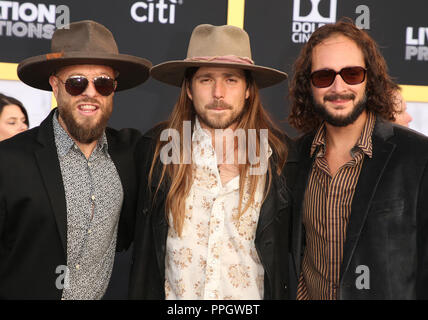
(217, 46)
(84, 42)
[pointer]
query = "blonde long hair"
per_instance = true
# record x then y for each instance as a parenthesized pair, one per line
(179, 175)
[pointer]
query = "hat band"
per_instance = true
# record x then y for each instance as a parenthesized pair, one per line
(227, 59)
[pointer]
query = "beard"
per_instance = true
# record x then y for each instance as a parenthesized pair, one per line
(88, 131)
(340, 121)
(217, 122)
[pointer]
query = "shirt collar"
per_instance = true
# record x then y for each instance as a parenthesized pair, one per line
(64, 142)
(364, 142)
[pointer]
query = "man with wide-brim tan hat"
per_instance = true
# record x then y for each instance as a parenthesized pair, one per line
(214, 219)
(68, 187)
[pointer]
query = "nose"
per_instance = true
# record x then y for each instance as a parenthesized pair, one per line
(218, 90)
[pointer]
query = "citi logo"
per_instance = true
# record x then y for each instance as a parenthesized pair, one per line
(150, 11)
(304, 25)
(416, 44)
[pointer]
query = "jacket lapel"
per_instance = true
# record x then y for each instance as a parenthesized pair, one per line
(119, 154)
(47, 160)
(369, 178)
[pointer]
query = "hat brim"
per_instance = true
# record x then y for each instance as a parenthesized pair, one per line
(35, 71)
(173, 72)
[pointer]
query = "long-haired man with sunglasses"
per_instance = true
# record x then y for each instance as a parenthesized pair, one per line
(360, 216)
(68, 187)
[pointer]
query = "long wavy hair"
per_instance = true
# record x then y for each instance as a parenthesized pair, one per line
(379, 89)
(179, 176)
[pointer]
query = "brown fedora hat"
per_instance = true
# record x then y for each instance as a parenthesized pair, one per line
(217, 46)
(83, 42)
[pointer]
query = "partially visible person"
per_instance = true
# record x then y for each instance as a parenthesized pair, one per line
(402, 117)
(13, 117)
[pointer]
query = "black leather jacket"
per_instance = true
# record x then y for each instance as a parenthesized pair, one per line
(148, 264)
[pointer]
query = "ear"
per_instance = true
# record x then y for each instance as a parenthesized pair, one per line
(247, 93)
(189, 92)
(53, 81)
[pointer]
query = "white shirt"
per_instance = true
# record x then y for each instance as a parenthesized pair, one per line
(215, 257)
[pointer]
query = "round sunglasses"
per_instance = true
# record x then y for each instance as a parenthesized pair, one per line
(325, 77)
(76, 85)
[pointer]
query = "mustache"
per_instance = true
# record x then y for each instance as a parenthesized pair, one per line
(332, 97)
(218, 104)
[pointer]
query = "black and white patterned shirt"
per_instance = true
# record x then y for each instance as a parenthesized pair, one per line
(94, 197)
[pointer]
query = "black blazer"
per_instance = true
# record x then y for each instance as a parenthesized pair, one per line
(33, 218)
(148, 269)
(388, 224)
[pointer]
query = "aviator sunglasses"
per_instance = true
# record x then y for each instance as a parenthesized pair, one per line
(325, 77)
(76, 85)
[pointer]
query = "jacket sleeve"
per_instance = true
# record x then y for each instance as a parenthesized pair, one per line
(422, 239)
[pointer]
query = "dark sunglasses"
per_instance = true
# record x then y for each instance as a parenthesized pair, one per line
(76, 85)
(325, 78)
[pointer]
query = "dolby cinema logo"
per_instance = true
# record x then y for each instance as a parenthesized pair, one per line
(31, 20)
(309, 15)
(155, 11)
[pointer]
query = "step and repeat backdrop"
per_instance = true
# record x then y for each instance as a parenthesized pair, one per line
(159, 30)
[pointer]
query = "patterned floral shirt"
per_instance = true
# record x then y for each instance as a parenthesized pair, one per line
(94, 197)
(215, 257)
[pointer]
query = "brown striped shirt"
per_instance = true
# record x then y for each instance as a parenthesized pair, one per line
(326, 209)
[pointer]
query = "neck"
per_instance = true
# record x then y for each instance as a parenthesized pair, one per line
(86, 148)
(345, 138)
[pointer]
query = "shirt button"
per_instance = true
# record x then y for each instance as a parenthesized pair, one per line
(89, 231)
(93, 197)
(89, 164)
(77, 266)
(76, 147)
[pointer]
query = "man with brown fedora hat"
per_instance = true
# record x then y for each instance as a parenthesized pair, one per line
(210, 224)
(68, 188)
